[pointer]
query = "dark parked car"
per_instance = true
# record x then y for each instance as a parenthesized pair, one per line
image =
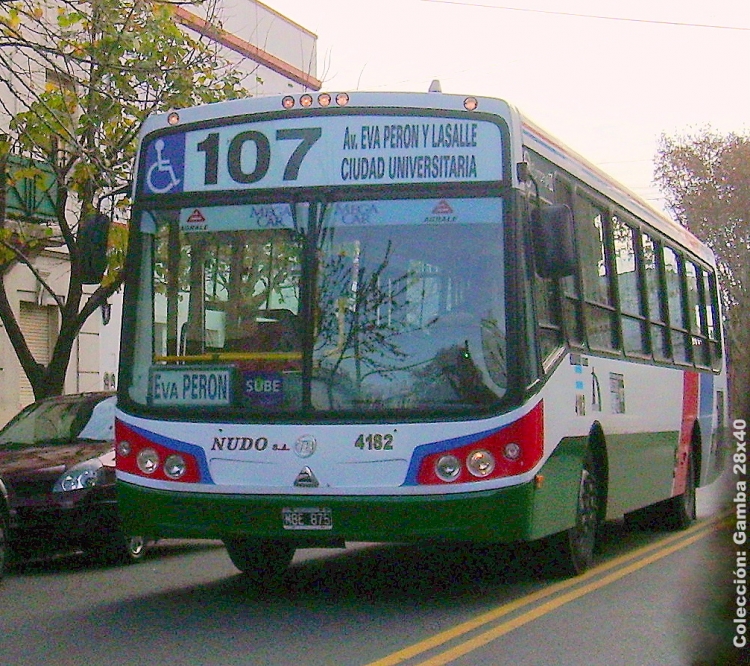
(57, 463)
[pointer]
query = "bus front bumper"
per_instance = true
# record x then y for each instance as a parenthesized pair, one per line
(501, 516)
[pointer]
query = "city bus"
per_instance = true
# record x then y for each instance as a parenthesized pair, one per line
(404, 317)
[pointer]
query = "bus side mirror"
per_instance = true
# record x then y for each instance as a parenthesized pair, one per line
(92, 248)
(553, 234)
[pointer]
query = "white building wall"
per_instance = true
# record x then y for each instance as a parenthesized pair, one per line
(277, 54)
(275, 34)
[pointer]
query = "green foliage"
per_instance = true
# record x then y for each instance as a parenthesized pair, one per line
(109, 64)
(705, 177)
(706, 180)
(85, 74)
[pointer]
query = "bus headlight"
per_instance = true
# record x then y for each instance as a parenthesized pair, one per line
(510, 450)
(139, 455)
(448, 468)
(175, 467)
(147, 461)
(480, 463)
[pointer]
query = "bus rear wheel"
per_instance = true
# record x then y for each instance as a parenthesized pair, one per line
(677, 513)
(262, 561)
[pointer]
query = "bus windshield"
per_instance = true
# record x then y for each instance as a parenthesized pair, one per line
(325, 307)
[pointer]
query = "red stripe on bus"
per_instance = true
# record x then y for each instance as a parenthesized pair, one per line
(690, 391)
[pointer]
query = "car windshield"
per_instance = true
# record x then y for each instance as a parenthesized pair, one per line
(53, 422)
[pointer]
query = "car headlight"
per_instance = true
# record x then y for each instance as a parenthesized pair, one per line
(81, 476)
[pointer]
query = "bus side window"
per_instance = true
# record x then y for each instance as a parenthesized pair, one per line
(572, 318)
(681, 341)
(711, 300)
(592, 223)
(547, 309)
(652, 269)
(630, 294)
(697, 315)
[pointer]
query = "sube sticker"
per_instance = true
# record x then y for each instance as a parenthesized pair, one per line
(265, 389)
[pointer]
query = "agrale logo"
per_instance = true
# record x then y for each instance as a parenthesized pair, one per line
(305, 446)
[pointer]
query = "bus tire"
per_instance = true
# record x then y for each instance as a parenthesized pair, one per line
(678, 512)
(573, 550)
(262, 561)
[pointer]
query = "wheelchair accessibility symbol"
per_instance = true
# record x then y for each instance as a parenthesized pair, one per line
(166, 163)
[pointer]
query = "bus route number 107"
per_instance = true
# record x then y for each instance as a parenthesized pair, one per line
(306, 136)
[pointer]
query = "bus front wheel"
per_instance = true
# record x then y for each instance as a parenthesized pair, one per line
(573, 549)
(262, 561)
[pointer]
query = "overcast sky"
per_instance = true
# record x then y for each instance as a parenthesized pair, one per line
(607, 77)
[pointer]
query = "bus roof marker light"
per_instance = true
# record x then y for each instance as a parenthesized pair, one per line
(471, 103)
(324, 99)
(173, 118)
(342, 99)
(288, 102)
(306, 100)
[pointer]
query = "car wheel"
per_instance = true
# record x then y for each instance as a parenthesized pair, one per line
(117, 548)
(135, 548)
(261, 561)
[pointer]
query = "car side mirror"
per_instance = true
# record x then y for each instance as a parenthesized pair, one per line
(553, 236)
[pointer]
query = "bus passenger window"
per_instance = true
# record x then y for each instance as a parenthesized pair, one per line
(572, 318)
(697, 315)
(711, 301)
(591, 223)
(652, 269)
(634, 334)
(547, 314)
(681, 342)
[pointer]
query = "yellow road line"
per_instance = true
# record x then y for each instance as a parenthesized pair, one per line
(549, 606)
(698, 531)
